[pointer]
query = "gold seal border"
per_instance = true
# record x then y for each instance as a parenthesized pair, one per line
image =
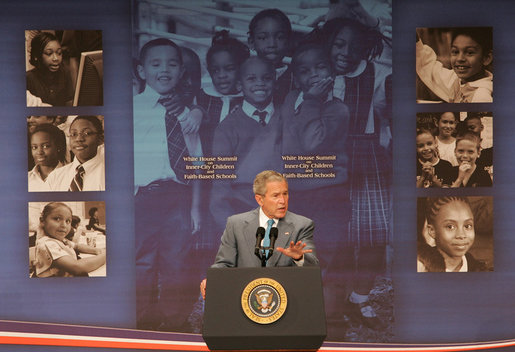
(245, 297)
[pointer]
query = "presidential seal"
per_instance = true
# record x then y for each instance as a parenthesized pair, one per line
(264, 301)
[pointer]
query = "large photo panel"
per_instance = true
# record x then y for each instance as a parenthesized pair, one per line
(223, 94)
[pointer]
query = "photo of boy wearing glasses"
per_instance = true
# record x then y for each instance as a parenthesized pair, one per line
(86, 172)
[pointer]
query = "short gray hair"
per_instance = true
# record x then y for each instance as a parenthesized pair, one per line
(259, 186)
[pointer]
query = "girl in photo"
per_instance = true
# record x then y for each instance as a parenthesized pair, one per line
(223, 60)
(450, 235)
(55, 255)
(360, 84)
(270, 35)
(48, 147)
(445, 140)
(431, 170)
(49, 80)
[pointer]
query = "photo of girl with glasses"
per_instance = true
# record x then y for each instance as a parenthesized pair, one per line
(86, 172)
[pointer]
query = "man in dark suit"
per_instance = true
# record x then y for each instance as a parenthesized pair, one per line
(294, 242)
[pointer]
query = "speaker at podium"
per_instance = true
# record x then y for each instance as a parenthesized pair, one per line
(276, 308)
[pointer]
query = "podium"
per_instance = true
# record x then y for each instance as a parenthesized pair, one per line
(234, 318)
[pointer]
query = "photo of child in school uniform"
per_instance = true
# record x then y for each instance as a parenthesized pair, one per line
(58, 249)
(48, 152)
(167, 205)
(86, 171)
(55, 70)
(454, 65)
(455, 234)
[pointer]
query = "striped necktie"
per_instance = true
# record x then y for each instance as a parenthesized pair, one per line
(176, 145)
(78, 181)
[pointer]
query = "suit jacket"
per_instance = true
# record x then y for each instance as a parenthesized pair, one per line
(239, 240)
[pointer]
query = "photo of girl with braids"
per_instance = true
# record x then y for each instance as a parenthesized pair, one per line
(455, 234)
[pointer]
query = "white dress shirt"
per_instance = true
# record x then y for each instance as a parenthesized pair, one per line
(94, 174)
(249, 110)
(151, 160)
(36, 182)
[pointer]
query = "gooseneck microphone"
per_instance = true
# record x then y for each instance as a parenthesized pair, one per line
(273, 236)
(260, 234)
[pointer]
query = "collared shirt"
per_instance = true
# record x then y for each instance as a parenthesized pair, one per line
(94, 174)
(249, 109)
(263, 222)
(36, 182)
(151, 160)
(339, 92)
(446, 84)
(464, 266)
(49, 249)
(279, 71)
(300, 99)
(226, 100)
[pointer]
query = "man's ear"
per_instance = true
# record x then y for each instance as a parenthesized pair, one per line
(431, 230)
(238, 85)
(259, 199)
(141, 72)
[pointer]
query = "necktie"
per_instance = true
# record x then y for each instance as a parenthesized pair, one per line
(266, 240)
(262, 116)
(176, 146)
(78, 180)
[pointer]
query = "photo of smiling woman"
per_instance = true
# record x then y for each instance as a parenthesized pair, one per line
(455, 234)
(86, 172)
(454, 65)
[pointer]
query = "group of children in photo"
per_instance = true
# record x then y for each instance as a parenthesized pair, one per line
(333, 99)
(449, 154)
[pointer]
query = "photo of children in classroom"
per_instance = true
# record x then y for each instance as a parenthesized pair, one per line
(64, 67)
(241, 92)
(61, 244)
(454, 149)
(455, 234)
(454, 65)
(66, 153)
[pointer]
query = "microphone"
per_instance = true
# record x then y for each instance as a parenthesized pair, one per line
(273, 236)
(260, 234)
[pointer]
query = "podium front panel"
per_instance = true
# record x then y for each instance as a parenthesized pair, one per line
(302, 326)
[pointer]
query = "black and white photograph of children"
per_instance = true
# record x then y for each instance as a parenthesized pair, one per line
(67, 239)
(64, 67)
(318, 72)
(66, 153)
(454, 65)
(454, 149)
(455, 234)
